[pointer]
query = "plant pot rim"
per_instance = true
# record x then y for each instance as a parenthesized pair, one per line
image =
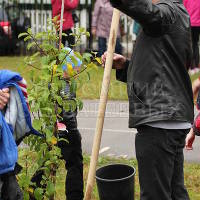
(114, 180)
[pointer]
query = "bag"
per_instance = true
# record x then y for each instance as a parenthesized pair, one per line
(8, 147)
(75, 17)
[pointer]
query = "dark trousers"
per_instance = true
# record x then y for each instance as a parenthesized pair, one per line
(195, 45)
(159, 153)
(70, 39)
(10, 189)
(72, 154)
(102, 46)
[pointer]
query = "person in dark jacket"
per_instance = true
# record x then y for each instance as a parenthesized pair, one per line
(160, 94)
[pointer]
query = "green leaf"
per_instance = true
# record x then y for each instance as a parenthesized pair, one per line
(48, 162)
(36, 54)
(79, 104)
(38, 193)
(27, 38)
(81, 29)
(29, 31)
(73, 86)
(48, 110)
(61, 56)
(39, 35)
(22, 34)
(64, 34)
(78, 55)
(45, 60)
(87, 57)
(64, 140)
(74, 60)
(30, 45)
(59, 100)
(37, 124)
(50, 188)
(87, 34)
(92, 65)
(98, 60)
(88, 75)
(66, 106)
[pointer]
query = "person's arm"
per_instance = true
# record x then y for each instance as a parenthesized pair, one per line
(196, 86)
(190, 139)
(95, 16)
(152, 16)
(195, 130)
(71, 4)
(4, 97)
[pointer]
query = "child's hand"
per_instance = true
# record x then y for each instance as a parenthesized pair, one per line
(4, 97)
(189, 140)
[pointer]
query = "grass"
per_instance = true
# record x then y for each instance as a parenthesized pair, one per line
(192, 175)
(90, 89)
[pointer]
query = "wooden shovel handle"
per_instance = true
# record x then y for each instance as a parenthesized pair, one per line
(102, 104)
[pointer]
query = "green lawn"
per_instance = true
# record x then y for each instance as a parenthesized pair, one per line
(192, 176)
(90, 89)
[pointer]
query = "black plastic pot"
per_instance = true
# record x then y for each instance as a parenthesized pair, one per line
(116, 182)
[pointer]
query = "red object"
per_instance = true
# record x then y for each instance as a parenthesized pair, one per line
(23, 85)
(197, 122)
(61, 126)
(6, 27)
(193, 8)
(69, 5)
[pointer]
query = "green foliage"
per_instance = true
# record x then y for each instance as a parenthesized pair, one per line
(46, 99)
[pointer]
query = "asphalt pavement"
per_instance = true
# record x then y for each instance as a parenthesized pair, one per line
(117, 139)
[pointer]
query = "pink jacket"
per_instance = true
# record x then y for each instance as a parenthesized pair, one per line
(102, 17)
(193, 8)
(67, 16)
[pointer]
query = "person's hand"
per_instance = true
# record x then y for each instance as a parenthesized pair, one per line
(189, 140)
(94, 30)
(196, 86)
(118, 61)
(4, 97)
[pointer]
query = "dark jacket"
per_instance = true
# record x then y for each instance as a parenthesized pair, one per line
(158, 84)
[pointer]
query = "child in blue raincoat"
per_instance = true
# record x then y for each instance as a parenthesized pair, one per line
(15, 124)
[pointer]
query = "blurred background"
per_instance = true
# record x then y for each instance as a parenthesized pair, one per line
(17, 16)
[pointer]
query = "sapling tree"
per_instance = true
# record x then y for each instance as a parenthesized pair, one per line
(47, 99)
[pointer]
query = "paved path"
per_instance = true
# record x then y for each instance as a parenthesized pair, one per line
(118, 139)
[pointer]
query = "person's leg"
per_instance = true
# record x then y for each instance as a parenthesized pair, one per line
(69, 38)
(72, 154)
(118, 47)
(156, 156)
(101, 46)
(197, 61)
(1, 184)
(195, 46)
(179, 191)
(155, 164)
(10, 188)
